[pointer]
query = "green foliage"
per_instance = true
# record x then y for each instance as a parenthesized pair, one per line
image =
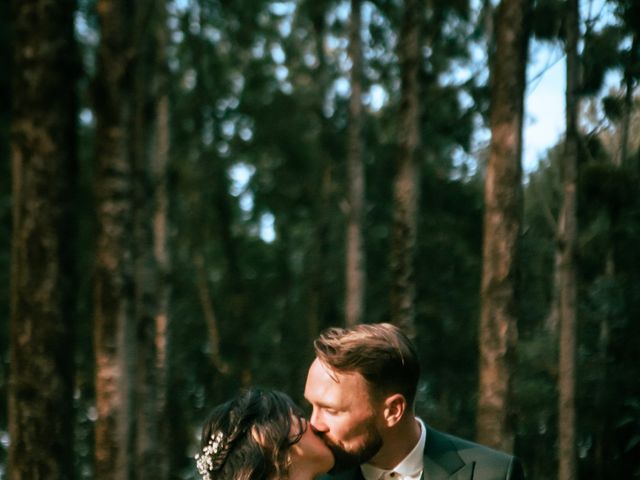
(542, 201)
(603, 185)
(448, 272)
(613, 107)
(608, 269)
(547, 19)
(600, 54)
(629, 12)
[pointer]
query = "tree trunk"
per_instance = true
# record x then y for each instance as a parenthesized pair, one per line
(318, 291)
(567, 231)
(319, 253)
(159, 165)
(355, 259)
(629, 85)
(114, 275)
(209, 315)
(502, 227)
(43, 153)
(405, 195)
(150, 144)
(600, 394)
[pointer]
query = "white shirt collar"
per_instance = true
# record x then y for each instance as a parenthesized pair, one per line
(410, 467)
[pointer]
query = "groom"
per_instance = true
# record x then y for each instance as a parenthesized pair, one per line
(362, 387)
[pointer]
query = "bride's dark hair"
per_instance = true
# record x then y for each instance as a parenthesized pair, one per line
(248, 437)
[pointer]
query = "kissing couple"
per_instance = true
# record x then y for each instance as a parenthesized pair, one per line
(361, 388)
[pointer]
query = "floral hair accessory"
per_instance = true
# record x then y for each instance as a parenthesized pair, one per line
(204, 460)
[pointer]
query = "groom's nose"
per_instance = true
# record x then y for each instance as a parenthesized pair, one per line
(317, 425)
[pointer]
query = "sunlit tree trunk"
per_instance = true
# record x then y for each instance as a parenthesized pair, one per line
(405, 196)
(355, 259)
(502, 227)
(114, 274)
(565, 261)
(43, 155)
(160, 161)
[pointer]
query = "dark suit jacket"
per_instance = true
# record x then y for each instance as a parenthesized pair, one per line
(451, 458)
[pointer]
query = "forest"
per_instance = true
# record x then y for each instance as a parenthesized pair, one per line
(191, 190)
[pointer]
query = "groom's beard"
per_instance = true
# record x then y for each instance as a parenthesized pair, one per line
(346, 459)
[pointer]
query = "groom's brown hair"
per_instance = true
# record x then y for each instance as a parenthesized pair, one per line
(380, 352)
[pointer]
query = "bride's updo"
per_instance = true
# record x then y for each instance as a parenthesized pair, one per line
(248, 437)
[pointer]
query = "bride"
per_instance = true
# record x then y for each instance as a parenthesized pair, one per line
(261, 435)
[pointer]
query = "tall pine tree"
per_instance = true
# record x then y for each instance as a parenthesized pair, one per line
(43, 146)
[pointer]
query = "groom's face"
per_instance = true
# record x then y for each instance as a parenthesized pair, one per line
(344, 415)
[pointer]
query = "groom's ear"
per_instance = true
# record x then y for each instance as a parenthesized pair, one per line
(394, 407)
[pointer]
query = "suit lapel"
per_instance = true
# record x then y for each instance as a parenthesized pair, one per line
(465, 473)
(441, 459)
